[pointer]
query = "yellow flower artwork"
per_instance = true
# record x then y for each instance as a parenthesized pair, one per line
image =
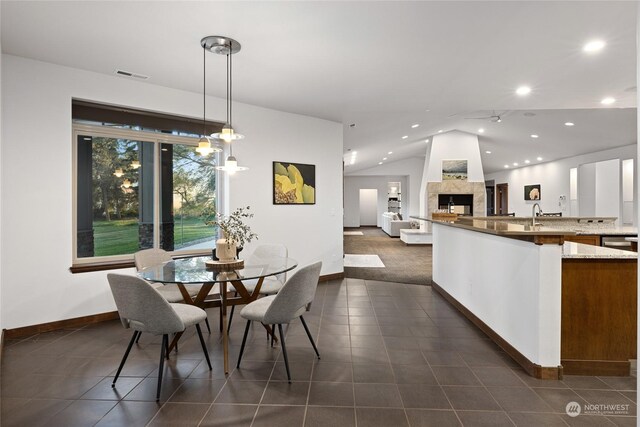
(294, 183)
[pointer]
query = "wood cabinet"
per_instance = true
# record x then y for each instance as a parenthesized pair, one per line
(598, 316)
(587, 239)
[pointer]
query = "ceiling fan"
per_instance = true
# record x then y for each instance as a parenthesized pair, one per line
(494, 117)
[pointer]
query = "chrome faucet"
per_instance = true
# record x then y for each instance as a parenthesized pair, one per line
(533, 213)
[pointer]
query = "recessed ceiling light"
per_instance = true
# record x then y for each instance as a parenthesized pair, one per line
(405, 137)
(440, 131)
(480, 130)
(379, 163)
(515, 163)
(534, 136)
(384, 158)
(527, 161)
(426, 140)
(506, 166)
(523, 90)
(390, 152)
(414, 126)
(488, 152)
(427, 110)
(569, 124)
(608, 101)
(538, 158)
(594, 46)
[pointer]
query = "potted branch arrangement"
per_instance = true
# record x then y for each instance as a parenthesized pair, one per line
(234, 233)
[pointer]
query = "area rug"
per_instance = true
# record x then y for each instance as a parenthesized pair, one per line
(403, 263)
(363, 261)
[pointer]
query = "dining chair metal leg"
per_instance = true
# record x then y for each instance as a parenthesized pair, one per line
(136, 335)
(166, 348)
(306, 328)
(244, 341)
(204, 346)
(273, 333)
(206, 322)
(163, 347)
(138, 339)
(284, 352)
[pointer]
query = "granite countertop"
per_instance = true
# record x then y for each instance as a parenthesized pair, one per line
(503, 228)
(573, 250)
(609, 231)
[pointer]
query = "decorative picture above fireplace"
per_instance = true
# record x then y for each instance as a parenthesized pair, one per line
(454, 170)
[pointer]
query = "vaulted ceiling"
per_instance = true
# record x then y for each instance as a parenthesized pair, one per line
(383, 66)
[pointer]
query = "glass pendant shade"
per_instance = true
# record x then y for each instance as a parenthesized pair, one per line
(126, 183)
(118, 173)
(205, 148)
(231, 166)
(227, 134)
(135, 164)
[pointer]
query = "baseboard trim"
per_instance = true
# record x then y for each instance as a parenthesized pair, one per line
(76, 322)
(533, 369)
(2, 347)
(610, 368)
(333, 276)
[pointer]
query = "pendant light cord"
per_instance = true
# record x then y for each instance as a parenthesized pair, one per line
(204, 92)
(231, 85)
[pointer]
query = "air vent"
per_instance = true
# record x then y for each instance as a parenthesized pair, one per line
(132, 75)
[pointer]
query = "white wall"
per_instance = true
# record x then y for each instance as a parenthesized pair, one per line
(411, 168)
(586, 190)
(608, 189)
(455, 145)
(36, 168)
(368, 206)
(511, 285)
(352, 186)
(554, 180)
(1, 102)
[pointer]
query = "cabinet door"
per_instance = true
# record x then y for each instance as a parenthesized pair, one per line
(587, 240)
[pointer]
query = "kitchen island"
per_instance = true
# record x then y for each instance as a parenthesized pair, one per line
(554, 307)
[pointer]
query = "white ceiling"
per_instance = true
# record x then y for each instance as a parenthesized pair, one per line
(380, 65)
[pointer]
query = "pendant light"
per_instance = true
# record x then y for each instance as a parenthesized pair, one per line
(226, 46)
(204, 144)
(119, 172)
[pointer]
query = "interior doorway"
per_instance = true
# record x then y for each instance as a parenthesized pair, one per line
(491, 199)
(368, 207)
(502, 199)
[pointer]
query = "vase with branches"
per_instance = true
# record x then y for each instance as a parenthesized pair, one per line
(235, 233)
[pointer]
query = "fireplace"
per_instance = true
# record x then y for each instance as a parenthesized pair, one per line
(462, 203)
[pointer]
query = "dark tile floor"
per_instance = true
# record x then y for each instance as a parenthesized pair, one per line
(392, 355)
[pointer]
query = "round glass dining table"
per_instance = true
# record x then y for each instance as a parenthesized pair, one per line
(194, 270)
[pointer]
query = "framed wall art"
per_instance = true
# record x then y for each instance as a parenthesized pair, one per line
(532, 192)
(454, 170)
(294, 184)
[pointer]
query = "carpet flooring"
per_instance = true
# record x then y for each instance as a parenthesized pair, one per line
(403, 263)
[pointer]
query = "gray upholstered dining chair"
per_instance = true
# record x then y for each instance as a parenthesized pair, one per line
(287, 305)
(150, 257)
(143, 309)
(270, 285)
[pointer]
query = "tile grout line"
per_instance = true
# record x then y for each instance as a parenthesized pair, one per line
(313, 365)
(386, 350)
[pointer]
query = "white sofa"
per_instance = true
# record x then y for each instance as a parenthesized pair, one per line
(392, 226)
